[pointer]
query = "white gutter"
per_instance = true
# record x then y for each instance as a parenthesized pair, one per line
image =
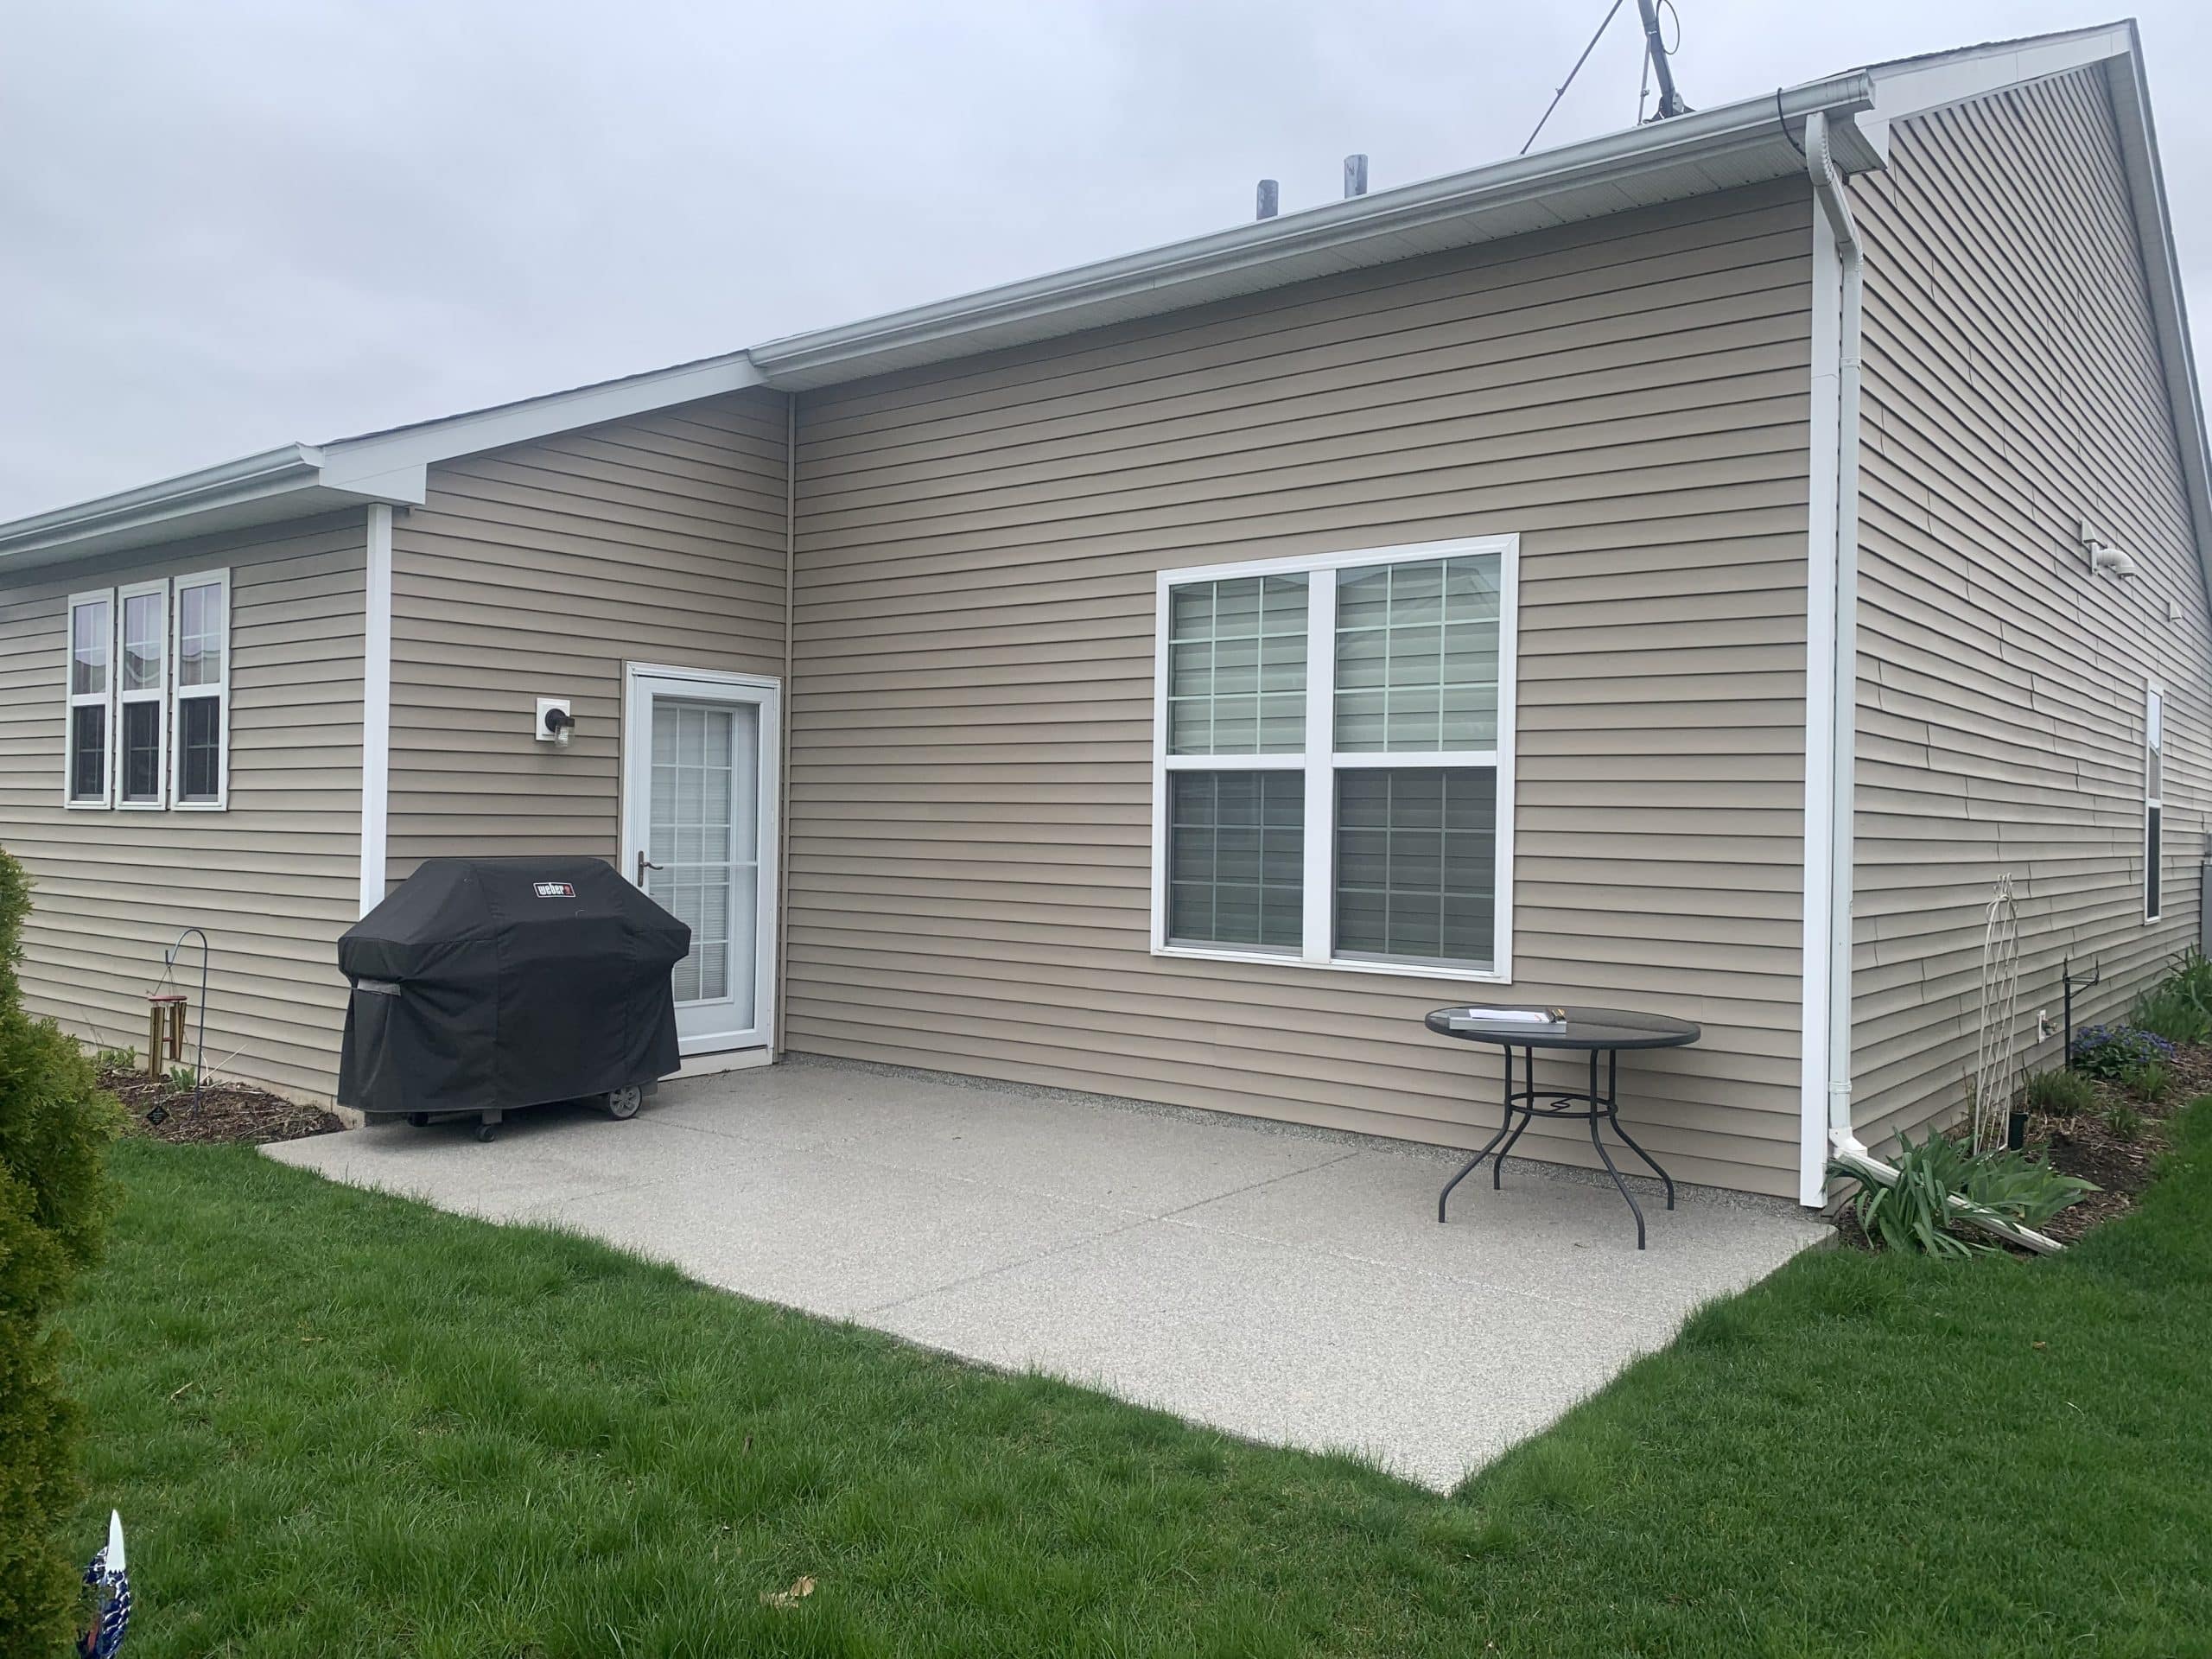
(273, 472)
(376, 709)
(1727, 144)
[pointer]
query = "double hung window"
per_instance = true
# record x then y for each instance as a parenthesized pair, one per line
(1333, 760)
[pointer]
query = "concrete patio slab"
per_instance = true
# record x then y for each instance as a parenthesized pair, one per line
(1284, 1284)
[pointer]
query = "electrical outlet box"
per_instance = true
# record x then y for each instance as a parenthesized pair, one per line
(2045, 1027)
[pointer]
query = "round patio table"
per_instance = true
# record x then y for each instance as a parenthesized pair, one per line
(1590, 1031)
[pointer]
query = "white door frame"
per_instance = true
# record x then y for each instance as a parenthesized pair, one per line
(640, 682)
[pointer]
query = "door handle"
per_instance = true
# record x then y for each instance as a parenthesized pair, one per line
(644, 864)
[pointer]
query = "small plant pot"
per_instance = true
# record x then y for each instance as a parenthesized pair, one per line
(2016, 1131)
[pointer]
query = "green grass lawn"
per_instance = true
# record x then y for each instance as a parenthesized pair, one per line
(341, 1424)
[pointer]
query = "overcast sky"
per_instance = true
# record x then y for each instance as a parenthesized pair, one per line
(228, 224)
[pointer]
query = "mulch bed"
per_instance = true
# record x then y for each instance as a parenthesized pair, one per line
(2085, 1144)
(222, 1111)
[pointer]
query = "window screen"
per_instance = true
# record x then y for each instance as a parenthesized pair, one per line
(142, 751)
(200, 748)
(1235, 858)
(1417, 863)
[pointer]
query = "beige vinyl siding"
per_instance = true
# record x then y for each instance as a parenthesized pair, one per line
(540, 570)
(2012, 387)
(972, 701)
(274, 880)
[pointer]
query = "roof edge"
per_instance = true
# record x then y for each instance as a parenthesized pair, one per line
(299, 479)
(801, 358)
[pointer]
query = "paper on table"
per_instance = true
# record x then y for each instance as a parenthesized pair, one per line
(1515, 1016)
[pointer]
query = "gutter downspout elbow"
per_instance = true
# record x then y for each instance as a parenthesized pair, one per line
(1838, 540)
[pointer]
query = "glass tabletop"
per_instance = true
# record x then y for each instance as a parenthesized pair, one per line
(1583, 1027)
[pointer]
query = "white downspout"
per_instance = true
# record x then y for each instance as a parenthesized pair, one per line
(376, 708)
(1840, 582)
(1832, 689)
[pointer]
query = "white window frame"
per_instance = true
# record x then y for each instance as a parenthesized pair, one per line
(180, 692)
(72, 700)
(1320, 762)
(2154, 748)
(157, 694)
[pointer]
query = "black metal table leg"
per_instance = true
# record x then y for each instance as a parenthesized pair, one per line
(1504, 1129)
(1528, 1110)
(1605, 1109)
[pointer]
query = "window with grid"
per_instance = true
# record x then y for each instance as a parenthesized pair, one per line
(91, 631)
(1334, 761)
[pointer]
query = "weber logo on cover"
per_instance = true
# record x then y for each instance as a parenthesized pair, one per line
(557, 889)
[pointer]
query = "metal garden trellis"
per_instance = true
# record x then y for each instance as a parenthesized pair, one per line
(1997, 1057)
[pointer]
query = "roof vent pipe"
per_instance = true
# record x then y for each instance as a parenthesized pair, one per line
(1270, 199)
(1355, 176)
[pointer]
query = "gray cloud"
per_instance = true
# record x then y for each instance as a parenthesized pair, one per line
(231, 224)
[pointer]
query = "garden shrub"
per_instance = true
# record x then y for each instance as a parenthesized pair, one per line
(2114, 1050)
(54, 1199)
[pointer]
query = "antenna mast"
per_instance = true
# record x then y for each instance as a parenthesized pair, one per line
(1670, 101)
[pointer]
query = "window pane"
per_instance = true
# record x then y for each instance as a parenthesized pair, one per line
(200, 748)
(2153, 853)
(88, 629)
(200, 635)
(141, 751)
(1235, 858)
(142, 643)
(1236, 666)
(88, 753)
(1417, 656)
(1417, 864)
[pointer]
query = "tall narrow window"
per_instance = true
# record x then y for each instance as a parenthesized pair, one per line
(91, 632)
(1335, 760)
(2154, 801)
(142, 693)
(202, 648)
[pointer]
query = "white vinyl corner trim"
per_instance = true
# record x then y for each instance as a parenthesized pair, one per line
(1831, 675)
(376, 709)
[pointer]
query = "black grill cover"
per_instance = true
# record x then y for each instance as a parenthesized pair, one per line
(484, 983)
